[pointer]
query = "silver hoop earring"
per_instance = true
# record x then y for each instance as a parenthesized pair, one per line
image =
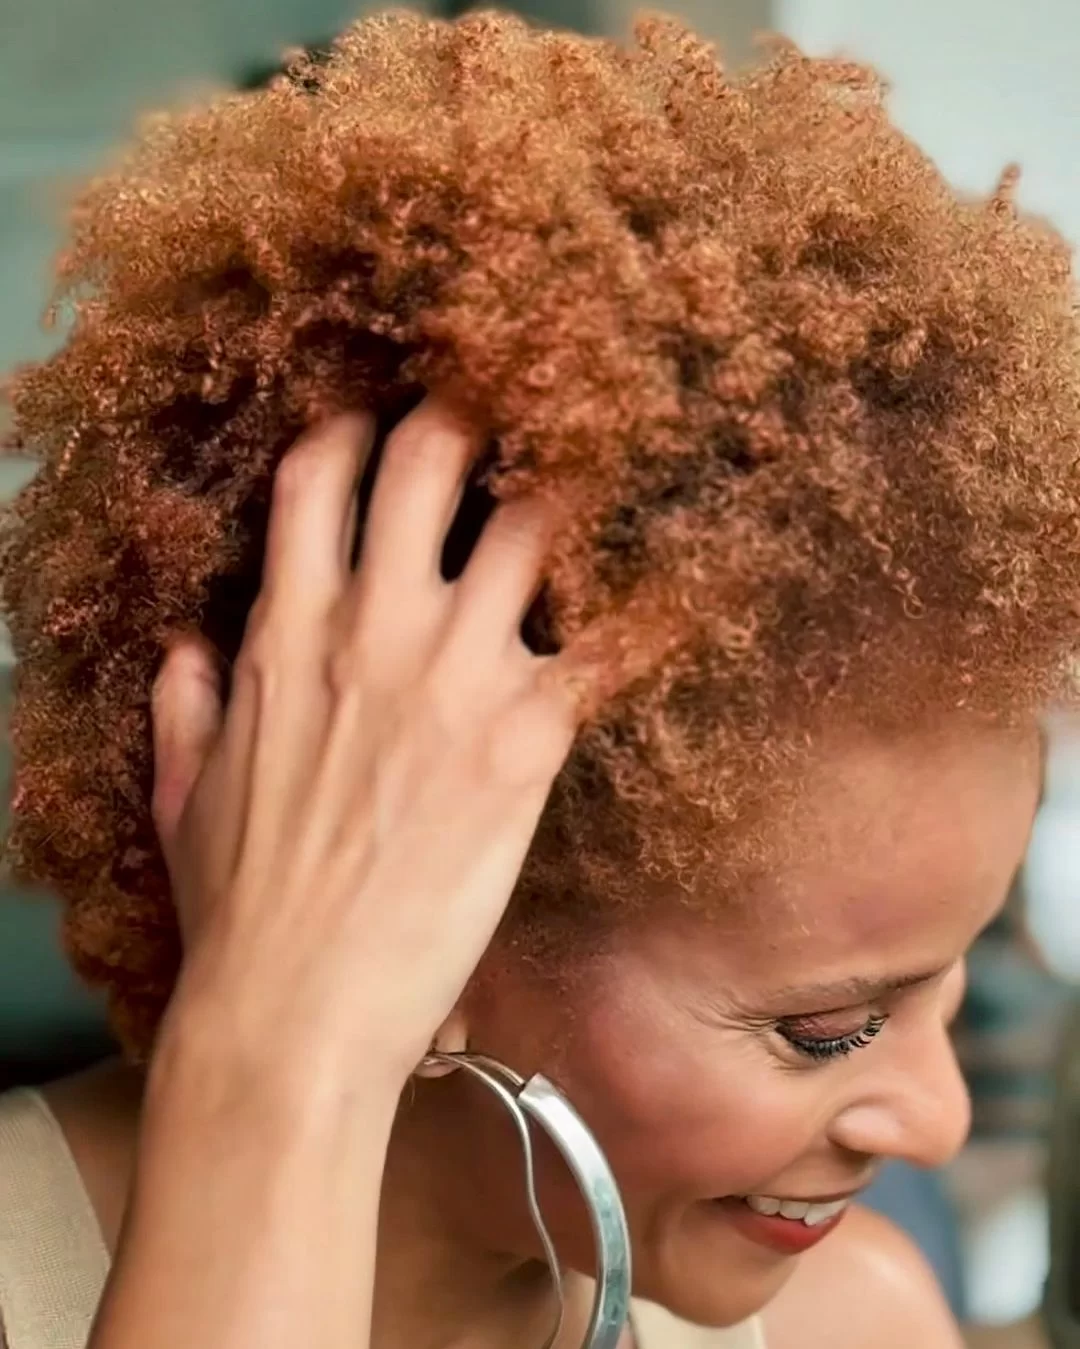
(538, 1101)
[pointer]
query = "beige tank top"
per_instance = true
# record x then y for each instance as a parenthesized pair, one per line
(53, 1261)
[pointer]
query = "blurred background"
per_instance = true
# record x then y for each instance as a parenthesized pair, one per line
(977, 83)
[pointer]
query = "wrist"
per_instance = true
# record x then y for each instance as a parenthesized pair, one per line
(241, 1067)
(274, 1025)
(255, 1198)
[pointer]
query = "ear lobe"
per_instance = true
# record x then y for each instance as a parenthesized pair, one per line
(452, 1037)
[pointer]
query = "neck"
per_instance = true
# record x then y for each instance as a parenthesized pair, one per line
(437, 1287)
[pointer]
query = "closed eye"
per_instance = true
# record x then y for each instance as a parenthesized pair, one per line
(799, 1034)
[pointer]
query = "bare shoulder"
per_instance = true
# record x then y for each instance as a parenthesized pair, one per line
(867, 1285)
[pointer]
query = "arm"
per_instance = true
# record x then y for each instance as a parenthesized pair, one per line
(342, 840)
(253, 1214)
(865, 1287)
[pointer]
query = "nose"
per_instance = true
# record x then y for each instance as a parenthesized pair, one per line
(915, 1108)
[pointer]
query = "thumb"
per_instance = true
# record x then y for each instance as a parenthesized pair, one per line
(187, 714)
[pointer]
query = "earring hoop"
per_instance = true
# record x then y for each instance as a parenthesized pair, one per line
(538, 1101)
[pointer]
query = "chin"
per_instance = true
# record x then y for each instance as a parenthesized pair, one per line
(707, 1286)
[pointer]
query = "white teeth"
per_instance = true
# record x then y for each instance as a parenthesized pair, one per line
(796, 1210)
(763, 1204)
(821, 1213)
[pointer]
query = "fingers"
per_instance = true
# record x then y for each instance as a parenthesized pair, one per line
(187, 714)
(313, 516)
(277, 708)
(503, 575)
(416, 494)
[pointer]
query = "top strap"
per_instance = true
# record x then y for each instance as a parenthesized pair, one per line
(53, 1260)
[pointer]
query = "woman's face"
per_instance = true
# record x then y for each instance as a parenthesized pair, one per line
(781, 1051)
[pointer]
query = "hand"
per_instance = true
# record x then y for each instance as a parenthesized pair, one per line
(344, 837)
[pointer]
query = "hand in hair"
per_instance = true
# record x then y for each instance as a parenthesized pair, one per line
(813, 413)
(344, 837)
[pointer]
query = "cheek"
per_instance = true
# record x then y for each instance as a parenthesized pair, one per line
(682, 1109)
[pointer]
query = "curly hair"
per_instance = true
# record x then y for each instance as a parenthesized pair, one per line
(809, 414)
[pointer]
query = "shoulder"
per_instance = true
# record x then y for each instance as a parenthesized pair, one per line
(867, 1284)
(97, 1113)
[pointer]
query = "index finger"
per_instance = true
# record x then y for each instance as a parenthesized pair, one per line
(312, 516)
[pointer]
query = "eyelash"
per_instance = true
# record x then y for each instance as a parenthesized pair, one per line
(836, 1046)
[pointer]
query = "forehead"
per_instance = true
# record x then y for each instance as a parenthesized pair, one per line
(889, 861)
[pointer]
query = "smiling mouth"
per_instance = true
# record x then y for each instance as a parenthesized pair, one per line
(787, 1226)
(806, 1212)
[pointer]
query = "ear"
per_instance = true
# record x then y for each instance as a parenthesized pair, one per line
(452, 1037)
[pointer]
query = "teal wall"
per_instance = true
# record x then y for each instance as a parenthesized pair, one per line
(73, 75)
(47, 1020)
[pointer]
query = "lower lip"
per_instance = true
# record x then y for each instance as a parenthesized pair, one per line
(786, 1235)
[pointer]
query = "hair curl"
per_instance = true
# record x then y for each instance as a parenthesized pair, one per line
(809, 413)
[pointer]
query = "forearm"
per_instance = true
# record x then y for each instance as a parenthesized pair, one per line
(254, 1211)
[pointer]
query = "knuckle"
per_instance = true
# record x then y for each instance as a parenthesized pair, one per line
(409, 451)
(182, 661)
(343, 667)
(301, 469)
(253, 665)
(257, 657)
(347, 649)
(425, 440)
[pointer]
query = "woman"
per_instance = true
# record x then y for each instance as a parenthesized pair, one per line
(684, 777)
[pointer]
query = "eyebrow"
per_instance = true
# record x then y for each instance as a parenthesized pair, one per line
(852, 992)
